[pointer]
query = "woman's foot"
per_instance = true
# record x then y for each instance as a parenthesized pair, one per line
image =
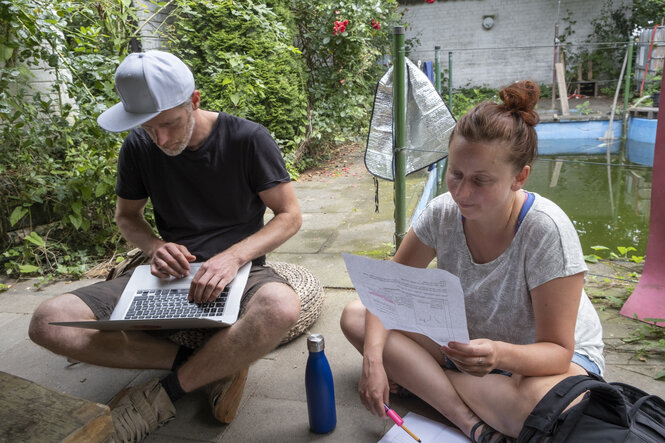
(481, 432)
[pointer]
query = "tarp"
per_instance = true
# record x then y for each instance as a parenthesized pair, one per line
(428, 125)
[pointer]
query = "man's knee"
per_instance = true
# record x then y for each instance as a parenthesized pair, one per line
(279, 302)
(62, 308)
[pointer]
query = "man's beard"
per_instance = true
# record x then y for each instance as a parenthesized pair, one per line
(189, 129)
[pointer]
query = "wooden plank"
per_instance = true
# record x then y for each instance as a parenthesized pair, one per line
(33, 413)
(563, 91)
(556, 173)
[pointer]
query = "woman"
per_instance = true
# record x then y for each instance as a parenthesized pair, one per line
(522, 271)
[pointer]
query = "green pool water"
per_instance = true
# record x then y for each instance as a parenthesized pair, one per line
(609, 206)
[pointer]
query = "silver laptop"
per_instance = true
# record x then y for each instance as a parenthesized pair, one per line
(149, 302)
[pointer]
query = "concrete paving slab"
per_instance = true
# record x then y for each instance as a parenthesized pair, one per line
(93, 383)
(287, 421)
(24, 296)
(307, 241)
(362, 237)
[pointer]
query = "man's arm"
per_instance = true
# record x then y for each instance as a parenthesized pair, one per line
(217, 272)
(281, 199)
(166, 259)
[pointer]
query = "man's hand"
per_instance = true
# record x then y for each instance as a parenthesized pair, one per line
(212, 277)
(171, 259)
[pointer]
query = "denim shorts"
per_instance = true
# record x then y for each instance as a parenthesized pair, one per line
(578, 358)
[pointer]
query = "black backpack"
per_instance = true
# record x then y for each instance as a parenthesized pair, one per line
(609, 412)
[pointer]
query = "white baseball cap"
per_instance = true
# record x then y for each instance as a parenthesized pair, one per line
(148, 83)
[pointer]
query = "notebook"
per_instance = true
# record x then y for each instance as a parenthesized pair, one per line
(149, 302)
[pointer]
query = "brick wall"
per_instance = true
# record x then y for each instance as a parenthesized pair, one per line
(518, 46)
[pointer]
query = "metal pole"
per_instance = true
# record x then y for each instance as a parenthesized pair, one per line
(629, 71)
(437, 68)
(556, 60)
(450, 81)
(626, 90)
(399, 136)
(437, 64)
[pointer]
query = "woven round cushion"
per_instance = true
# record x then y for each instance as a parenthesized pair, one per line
(303, 282)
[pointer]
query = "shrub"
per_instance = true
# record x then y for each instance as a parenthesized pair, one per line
(244, 63)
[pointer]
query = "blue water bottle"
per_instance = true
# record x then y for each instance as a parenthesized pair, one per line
(319, 387)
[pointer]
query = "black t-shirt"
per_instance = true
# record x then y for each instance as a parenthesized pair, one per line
(206, 200)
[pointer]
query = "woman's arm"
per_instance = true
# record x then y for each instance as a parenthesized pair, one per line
(413, 252)
(555, 306)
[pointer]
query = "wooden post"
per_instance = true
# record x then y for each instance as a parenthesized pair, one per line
(563, 91)
(30, 412)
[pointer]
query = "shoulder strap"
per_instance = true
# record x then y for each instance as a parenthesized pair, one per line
(605, 401)
(530, 197)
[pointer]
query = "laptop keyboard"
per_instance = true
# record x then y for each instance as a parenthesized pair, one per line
(172, 303)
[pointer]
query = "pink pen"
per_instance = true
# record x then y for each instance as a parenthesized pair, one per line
(398, 421)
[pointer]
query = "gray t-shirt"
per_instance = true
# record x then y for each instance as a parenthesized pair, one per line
(497, 294)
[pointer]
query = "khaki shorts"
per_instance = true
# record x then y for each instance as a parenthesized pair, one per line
(102, 297)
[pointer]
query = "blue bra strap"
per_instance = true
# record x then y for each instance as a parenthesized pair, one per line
(525, 208)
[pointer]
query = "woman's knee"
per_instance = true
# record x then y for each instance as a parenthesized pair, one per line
(352, 322)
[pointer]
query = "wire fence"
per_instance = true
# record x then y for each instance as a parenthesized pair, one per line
(599, 62)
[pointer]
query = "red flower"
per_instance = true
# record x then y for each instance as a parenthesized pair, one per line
(376, 24)
(340, 27)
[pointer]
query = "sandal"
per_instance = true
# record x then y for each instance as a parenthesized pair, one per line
(399, 391)
(487, 434)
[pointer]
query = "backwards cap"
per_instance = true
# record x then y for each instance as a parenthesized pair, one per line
(148, 83)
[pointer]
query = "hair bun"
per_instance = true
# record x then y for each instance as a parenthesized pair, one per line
(522, 97)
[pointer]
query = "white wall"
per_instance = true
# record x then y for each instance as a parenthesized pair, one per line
(518, 46)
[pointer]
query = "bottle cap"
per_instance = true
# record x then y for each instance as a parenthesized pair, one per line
(315, 343)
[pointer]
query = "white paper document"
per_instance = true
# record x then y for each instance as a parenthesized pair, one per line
(428, 431)
(426, 301)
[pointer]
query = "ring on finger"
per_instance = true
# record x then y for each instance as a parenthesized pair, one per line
(480, 362)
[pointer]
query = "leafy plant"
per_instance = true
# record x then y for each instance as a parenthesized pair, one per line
(652, 85)
(58, 165)
(649, 335)
(245, 64)
(584, 108)
(465, 99)
(342, 68)
(623, 254)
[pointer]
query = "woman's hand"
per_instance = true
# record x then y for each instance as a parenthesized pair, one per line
(373, 387)
(479, 357)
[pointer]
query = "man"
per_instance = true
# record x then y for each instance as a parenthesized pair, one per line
(210, 177)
